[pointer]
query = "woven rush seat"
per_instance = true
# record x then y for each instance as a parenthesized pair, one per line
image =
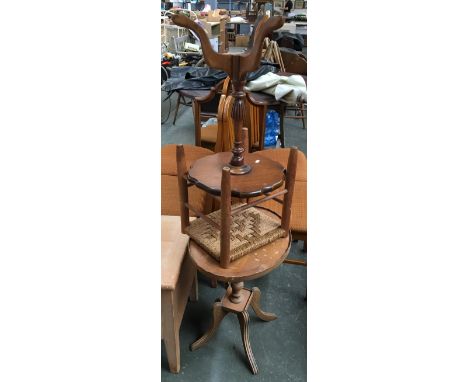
(250, 229)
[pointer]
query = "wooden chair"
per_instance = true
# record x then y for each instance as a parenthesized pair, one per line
(295, 63)
(299, 200)
(181, 99)
(169, 183)
(220, 136)
(212, 136)
(258, 104)
(242, 241)
(186, 97)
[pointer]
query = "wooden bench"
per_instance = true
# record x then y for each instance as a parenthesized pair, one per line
(178, 284)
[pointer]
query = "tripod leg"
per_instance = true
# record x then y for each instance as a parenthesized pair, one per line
(218, 315)
(255, 303)
(243, 318)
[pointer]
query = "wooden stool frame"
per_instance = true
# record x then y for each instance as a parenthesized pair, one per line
(225, 199)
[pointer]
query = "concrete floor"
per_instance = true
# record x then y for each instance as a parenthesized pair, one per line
(279, 346)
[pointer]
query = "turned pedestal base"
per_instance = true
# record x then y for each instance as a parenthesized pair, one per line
(236, 300)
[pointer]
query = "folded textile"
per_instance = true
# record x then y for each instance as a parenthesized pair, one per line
(289, 89)
(190, 77)
(295, 38)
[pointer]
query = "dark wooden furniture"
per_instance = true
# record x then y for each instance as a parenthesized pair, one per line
(295, 63)
(220, 137)
(299, 112)
(185, 97)
(236, 66)
(217, 100)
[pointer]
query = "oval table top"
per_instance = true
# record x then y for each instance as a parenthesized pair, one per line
(266, 175)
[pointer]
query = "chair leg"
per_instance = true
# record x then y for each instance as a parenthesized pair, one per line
(170, 333)
(197, 122)
(303, 116)
(176, 109)
(262, 128)
(283, 110)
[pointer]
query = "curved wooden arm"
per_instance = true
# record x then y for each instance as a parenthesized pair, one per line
(236, 65)
(212, 58)
(265, 99)
(251, 58)
(253, 32)
(213, 91)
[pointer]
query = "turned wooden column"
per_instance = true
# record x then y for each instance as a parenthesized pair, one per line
(237, 165)
(236, 296)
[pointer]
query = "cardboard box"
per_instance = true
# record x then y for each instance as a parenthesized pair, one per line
(211, 30)
(213, 15)
(242, 40)
(217, 15)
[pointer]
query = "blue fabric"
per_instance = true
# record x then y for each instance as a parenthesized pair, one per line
(272, 128)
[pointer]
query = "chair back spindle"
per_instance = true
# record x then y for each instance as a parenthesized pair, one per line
(289, 186)
(245, 138)
(226, 217)
(183, 188)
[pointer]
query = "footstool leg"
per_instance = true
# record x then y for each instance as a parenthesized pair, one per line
(218, 314)
(173, 352)
(177, 109)
(255, 303)
(170, 333)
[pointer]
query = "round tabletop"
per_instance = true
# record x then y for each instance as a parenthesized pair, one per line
(265, 176)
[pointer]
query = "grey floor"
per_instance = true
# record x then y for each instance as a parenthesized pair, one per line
(279, 346)
(183, 130)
